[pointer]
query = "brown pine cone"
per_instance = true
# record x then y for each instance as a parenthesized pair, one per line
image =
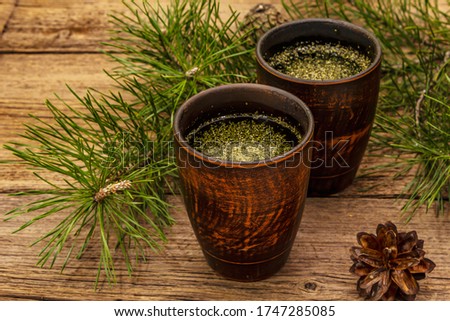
(260, 19)
(389, 264)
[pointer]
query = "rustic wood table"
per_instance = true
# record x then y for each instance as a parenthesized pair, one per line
(45, 45)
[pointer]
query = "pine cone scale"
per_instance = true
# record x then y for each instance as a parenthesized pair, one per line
(360, 269)
(424, 266)
(382, 287)
(403, 264)
(368, 241)
(408, 241)
(373, 277)
(368, 256)
(390, 241)
(405, 281)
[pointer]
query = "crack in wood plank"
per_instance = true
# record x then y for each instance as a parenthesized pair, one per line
(11, 14)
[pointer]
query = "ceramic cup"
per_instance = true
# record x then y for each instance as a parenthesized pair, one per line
(343, 109)
(245, 215)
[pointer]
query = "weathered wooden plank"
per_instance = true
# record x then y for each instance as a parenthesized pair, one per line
(26, 81)
(76, 26)
(6, 11)
(58, 26)
(316, 270)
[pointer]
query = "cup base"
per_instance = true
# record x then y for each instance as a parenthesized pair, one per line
(247, 272)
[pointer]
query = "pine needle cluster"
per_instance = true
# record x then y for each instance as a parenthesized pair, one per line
(110, 187)
(412, 126)
(178, 51)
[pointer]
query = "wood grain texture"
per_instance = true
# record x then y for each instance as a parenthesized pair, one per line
(7, 8)
(47, 44)
(61, 26)
(319, 260)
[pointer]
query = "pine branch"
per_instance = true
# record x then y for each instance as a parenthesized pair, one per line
(180, 50)
(105, 194)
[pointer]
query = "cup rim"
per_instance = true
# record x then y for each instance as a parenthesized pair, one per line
(375, 63)
(179, 137)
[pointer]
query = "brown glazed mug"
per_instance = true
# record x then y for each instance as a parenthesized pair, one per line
(245, 215)
(343, 109)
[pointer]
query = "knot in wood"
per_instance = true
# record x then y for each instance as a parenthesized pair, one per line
(310, 286)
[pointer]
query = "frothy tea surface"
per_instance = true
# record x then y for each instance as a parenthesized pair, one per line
(317, 60)
(244, 137)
